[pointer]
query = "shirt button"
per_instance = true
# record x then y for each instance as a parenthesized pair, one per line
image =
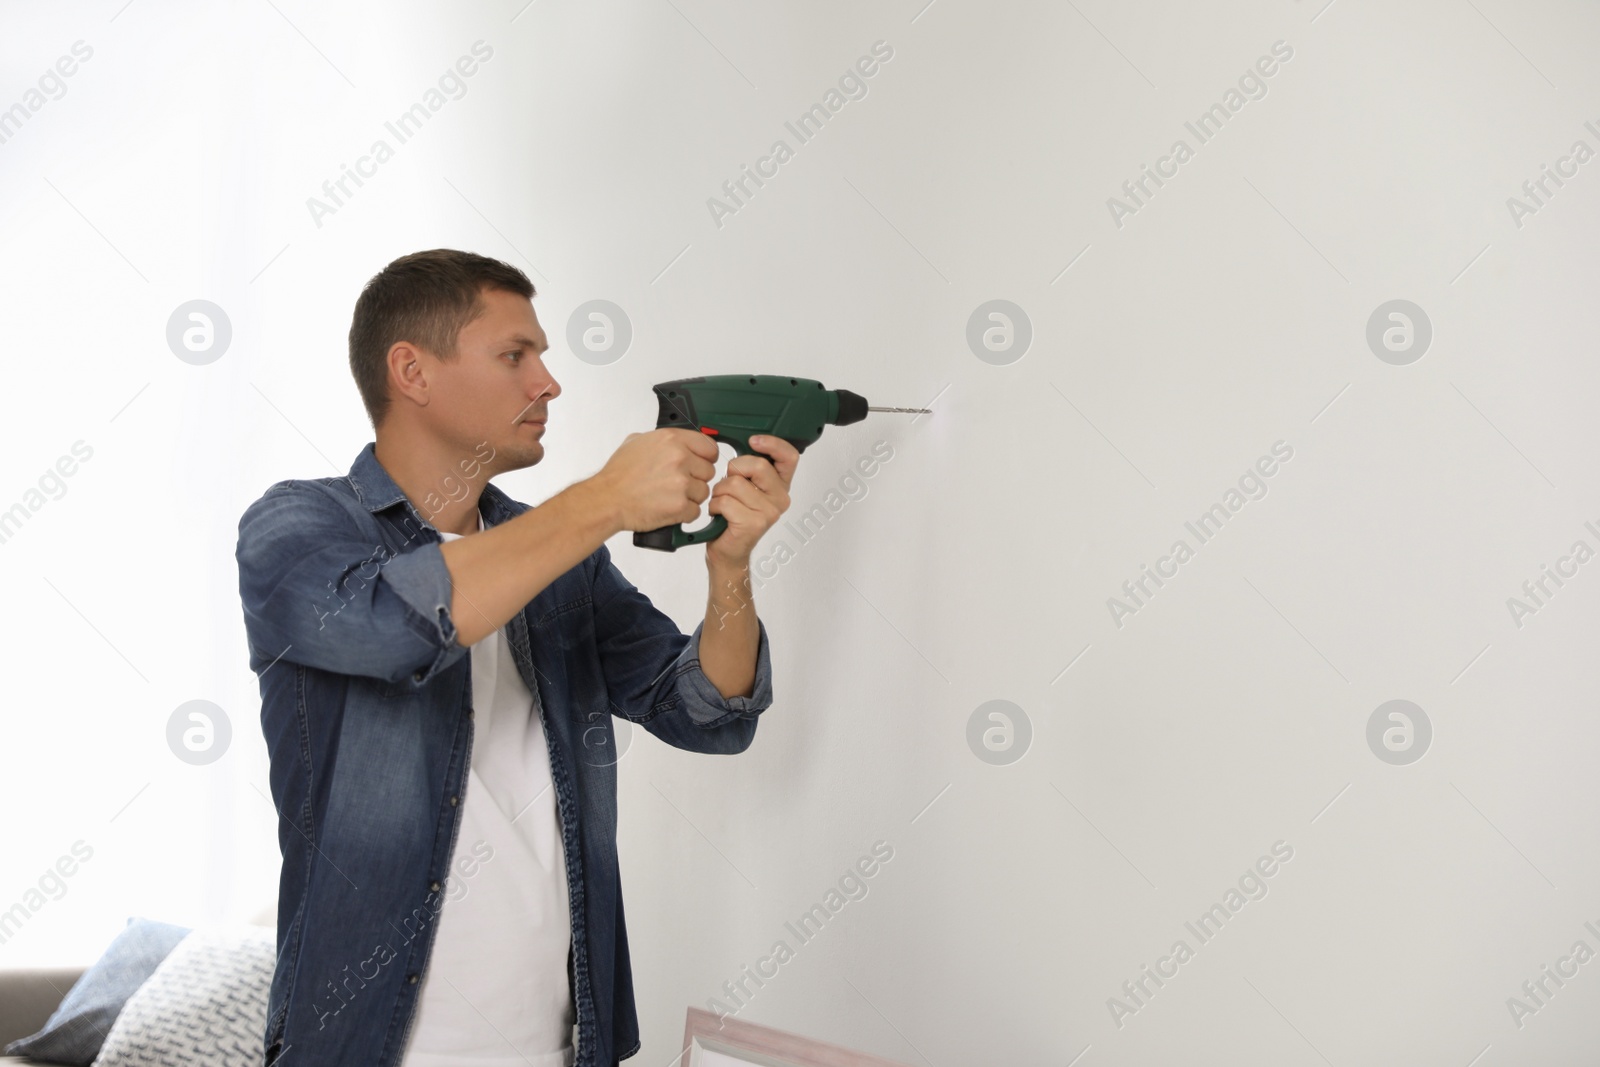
(416, 676)
(434, 886)
(454, 801)
(412, 979)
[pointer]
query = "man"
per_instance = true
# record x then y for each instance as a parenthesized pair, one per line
(439, 665)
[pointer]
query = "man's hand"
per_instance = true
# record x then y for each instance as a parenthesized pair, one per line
(752, 496)
(658, 478)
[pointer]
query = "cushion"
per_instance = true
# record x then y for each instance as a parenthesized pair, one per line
(205, 1004)
(75, 1030)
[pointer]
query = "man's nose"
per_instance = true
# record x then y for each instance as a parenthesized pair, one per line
(551, 388)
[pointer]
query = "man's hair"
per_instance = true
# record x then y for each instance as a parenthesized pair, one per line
(424, 298)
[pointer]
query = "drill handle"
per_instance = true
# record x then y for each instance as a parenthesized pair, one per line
(671, 538)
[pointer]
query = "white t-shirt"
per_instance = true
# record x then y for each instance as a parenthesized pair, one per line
(495, 991)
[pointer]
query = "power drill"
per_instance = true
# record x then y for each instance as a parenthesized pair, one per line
(732, 408)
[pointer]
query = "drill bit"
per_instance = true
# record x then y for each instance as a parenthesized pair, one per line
(908, 411)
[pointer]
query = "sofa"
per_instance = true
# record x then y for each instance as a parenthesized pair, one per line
(27, 997)
(182, 994)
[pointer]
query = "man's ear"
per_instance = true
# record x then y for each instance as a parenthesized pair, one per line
(408, 373)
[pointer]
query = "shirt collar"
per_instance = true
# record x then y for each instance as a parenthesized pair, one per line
(377, 491)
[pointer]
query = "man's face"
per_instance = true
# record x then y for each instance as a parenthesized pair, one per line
(498, 390)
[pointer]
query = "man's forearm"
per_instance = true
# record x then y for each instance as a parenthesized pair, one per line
(731, 636)
(495, 573)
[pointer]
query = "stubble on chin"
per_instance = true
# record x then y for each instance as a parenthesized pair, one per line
(524, 455)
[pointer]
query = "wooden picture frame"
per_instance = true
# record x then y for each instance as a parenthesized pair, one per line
(706, 1043)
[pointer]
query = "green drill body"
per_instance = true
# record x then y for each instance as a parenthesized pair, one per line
(732, 408)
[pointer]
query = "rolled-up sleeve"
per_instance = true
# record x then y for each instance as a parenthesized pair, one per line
(703, 701)
(653, 673)
(315, 592)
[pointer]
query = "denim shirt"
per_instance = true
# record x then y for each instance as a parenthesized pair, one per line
(366, 707)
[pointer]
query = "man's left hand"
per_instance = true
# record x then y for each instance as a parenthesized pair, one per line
(752, 495)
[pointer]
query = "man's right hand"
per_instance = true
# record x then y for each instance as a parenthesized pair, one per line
(659, 478)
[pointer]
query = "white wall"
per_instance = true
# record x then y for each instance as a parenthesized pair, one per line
(1168, 353)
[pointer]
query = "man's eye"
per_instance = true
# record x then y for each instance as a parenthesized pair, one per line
(514, 355)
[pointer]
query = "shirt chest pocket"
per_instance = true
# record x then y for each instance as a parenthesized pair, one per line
(408, 690)
(569, 626)
(405, 687)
